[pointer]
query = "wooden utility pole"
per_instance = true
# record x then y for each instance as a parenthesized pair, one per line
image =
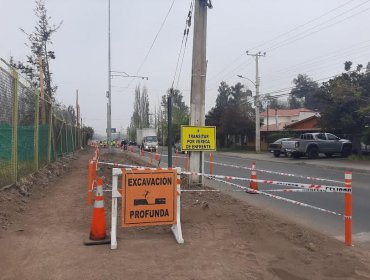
(198, 80)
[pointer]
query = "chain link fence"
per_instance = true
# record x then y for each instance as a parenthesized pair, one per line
(33, 132)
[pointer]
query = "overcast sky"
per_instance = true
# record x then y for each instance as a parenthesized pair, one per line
(306, 36)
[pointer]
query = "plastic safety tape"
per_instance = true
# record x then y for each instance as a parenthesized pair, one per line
(279, 197)
(278, 183)
(274, 172)
(323, 188)
(270, 172)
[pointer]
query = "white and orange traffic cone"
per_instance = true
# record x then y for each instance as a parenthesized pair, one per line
(253, 184)
(156, 155)
(98, 233)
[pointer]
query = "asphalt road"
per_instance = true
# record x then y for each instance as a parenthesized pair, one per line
(321, 221)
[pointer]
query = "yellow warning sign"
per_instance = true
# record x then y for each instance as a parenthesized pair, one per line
(198, 138)
(149, 197)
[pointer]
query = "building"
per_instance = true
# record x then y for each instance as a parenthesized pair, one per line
(277, 119)
(296, 120)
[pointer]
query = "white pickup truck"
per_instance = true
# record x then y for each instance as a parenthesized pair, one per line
(311, 144)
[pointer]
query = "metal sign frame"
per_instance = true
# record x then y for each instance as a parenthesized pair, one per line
(201, 133)
(116, 194)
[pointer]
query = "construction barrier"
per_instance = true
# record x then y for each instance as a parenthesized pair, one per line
(253, 188)
(348, 209)
(150, 196)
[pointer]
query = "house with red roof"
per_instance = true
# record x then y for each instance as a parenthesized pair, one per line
(296, 120)
(278, 119)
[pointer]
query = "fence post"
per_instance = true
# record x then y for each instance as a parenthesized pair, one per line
(49, 132)
(15, 126)
(348, 209)
(36, 131)
(72, 139)
(66, 138)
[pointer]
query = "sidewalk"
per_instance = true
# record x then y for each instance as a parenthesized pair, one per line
(334, 162)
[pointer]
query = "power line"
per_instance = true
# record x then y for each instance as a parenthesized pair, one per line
(155, 39)
(321, 58)
(302, 25)
(186, 41)
(300, 36)
(283, 90)
(281, 35)
(323, 65)
(184, 38)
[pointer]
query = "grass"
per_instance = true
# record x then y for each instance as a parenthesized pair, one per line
(362, 158)
(6, 171)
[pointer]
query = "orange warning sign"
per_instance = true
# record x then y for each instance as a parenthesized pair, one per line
(149, 197)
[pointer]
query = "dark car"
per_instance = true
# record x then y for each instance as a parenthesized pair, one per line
(132, 143)
(276, 148)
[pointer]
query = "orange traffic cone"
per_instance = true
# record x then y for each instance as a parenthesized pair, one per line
(156, 155)
(253, 184)
(98, 233)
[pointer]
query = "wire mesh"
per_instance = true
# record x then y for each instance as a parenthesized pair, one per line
(32, 131)
(26, 130)
(6, 120)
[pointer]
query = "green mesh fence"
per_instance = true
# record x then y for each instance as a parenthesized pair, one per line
(32, 132)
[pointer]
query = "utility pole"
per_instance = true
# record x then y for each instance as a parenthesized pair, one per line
(257, 101)
(198, 80)
(169, 128)
(109, 92)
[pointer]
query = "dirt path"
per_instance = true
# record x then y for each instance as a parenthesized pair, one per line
(224, 239)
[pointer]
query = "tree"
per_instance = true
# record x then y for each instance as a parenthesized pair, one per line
(39, 42)
(88, 132)
(232, 114)
(304, 93)
(180, 113)
(274, 103)
(345, 103)
(140, 116)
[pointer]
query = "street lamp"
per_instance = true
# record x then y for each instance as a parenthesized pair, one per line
(242, 77)
(257, 112)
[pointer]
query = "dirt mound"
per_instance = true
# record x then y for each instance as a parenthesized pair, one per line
(14, 198)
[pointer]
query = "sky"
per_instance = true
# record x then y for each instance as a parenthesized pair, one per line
(312, 37)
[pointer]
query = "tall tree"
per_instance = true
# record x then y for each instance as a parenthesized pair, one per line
(180, 112)
(140, 116)
(233, 113)
(304, 92)
(39, 42)
(345, 103)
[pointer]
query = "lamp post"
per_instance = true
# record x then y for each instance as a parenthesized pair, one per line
(257, 112)
(110, 76)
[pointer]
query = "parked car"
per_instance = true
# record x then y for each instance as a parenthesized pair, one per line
(311, 144)
(276, 147)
